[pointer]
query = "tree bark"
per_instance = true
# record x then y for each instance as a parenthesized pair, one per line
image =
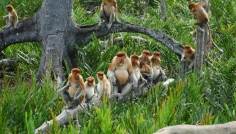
(163, 10)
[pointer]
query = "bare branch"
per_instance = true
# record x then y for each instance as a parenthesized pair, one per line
(24, 32)
(102, 30)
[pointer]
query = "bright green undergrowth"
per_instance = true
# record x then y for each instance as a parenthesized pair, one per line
(199, 99)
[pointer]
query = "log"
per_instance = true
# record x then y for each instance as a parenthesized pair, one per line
(227, 128)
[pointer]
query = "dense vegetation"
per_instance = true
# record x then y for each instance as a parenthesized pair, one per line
(205, 99)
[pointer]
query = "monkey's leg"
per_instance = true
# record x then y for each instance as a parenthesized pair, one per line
(115, 89)
(78, 99)
(127, 89)
(67, 99)
(102, 16)
(111, 20)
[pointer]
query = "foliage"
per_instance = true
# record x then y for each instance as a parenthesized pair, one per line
(205, 99)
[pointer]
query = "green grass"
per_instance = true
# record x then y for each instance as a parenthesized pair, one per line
(207, 99)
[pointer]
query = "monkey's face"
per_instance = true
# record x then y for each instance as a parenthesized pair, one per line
(100, 75)
(187, 50)
(156, 56)
(90, 82)
(120, 60)
(9, 8)
(145, 55)
(77, 76)
(135, 60)
(191, 5)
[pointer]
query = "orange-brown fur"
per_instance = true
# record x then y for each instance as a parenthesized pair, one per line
(104, 86)
(145, 68)
(122, 67)
(109, 12)
(199, 13)
(144, 57)
(75, 78)
(12, 16)
(155, 59)
(189, 52)
(135, 60)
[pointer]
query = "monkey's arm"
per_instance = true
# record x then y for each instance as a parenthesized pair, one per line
(7, 21)
(66, 87)
(141, 76)
(111, 74)
(102, 15)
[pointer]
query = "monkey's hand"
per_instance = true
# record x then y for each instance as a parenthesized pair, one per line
(135, 85)
(145, 81)
(150, 77)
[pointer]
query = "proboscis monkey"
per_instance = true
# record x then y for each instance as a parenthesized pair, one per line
(202, 16)
(11, 18)
(74, 92)
(199, 12)
(90, 87)
(144, 57)
(189, 55)
(156, 64)
(109, 12)
(145, 63)
(158, 73)
(103, 86)
(136, 64)
(121, 74)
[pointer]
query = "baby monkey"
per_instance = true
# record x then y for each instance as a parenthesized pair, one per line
(103, 86)
(109, 12)
(11, 18)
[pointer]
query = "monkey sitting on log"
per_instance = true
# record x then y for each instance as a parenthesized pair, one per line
(74, 92)
(121, 75)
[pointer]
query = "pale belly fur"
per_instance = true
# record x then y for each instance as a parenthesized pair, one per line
(89, 92)
(122, 76)
(137, 73)
(72, 91)
(99, 89)
(108, 9)
(156, 71)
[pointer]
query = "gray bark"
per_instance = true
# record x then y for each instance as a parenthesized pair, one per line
(227, 128)
(163, 10)
(54, 29)
(200, 49)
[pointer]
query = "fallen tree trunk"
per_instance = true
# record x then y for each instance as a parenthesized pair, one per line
(227, 128)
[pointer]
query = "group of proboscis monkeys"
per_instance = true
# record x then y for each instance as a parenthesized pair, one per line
(125, 74)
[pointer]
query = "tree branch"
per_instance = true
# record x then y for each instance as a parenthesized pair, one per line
(24, 32)
(102, 30)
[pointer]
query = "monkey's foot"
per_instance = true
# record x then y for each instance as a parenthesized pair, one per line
(109, 26)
